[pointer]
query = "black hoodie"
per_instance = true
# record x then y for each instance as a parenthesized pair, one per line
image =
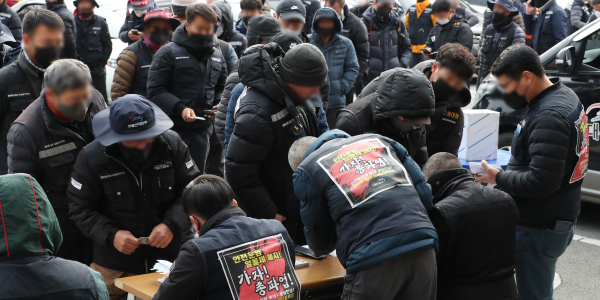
(235, 39)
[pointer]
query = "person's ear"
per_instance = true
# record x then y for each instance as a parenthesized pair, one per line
(186, 25)
(235, 203)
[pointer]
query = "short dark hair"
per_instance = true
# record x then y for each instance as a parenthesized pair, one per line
(441, 6)
(595, 2)
(200, 9)
(516, 59)
(341, 2)
(207, 195)
(35, 17)
(251, 4)
(457, 58)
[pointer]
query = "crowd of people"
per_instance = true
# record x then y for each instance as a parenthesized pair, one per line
(332, 127)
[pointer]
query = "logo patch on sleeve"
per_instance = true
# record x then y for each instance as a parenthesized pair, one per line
(190, 163)
(76, 184)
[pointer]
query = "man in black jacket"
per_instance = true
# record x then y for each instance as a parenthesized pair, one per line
(187, 77)
(292, 18)
(46, 138)
(94, 43)
(272, 113)
(70, 46)
(360, 7)
(11, 19)
(356, 31)
(135, 17)
(476, 227)
(311, 7)
(550, 153)
(400, 105)
(448, 75)
(125, 188)
(9, 48)
(227, 32)
(202, 269)
(448, 29)
(21, 81)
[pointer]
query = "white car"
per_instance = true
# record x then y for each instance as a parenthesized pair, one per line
(114, 11)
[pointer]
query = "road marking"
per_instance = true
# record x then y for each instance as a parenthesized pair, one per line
(586, 240)
(557, 280)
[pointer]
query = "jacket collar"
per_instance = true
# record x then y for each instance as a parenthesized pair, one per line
(27, 65)
(450, 186)
(56, 126)
(547, 6)
(220, 217)
(556, 84)
(324, 138)
(159, 148)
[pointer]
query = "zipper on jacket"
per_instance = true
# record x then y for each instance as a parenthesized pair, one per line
(126, 168)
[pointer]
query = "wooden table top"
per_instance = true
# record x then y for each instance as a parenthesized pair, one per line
(319, 273)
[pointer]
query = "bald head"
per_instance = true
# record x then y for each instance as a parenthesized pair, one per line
(440, 162)
(298, 149)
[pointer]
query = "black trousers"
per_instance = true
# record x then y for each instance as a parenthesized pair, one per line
(99, 80)
(198, 143)
(332, 117)
(215, 160)
(79, 249)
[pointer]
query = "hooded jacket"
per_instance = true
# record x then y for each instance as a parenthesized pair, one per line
(235, 39)
(445, 131)
(354, 29)
(184, 75)
(393, 97)
(340, 56)
(472, 263)
(30, 235)
(363, 229)
(70, 33)
(267, 122)
(390, 45)
(12, 20)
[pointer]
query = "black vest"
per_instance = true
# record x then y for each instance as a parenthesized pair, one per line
(546, 33)
(234, 230)
(419, 27)
(491, 50)
(142, 66)
(89, 41)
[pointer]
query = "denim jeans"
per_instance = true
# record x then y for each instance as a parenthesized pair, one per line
(537, 251)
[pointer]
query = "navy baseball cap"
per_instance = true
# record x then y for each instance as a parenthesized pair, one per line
(140, 4)
(130, 118)
(291, 9)
(6, 37)
(507, 4)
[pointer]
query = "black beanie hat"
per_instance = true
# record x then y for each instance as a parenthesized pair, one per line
(304, 65)
(286, 41)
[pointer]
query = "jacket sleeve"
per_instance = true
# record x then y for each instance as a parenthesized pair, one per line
(220, 86)
(347, 123)
(15, 25)
(231, 58)
(70, 46)
(576, 13)
(529, 23)
(124, 32)
(124, 74)
(429, 42)
(519, 36)
(405, 48)
(221, 117)
(465, 38)
(548, 147)
(350, 69)
(230, 119)
(85, 204)
(249, 146)
(421, 156)
(187, 278)
(100, 285)
(471, 18)
(560, 25)
(361, 45)
(21, 155)
(185, 171)
(160, 76)
(418, 179)
(106, 45)
(406, 20)
(319, 227)
(325, 93)
(452, 141)
(518, 19)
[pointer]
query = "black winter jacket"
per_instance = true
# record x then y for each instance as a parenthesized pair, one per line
(476, 227)
(69, 35)
(267, 123)
(232, 80)
(105, 196)
(235, 39)
(356, 31)
(311, 7)
(20, 85)
(8, 54)
(12, 20)
(383, 99)
(549, 159)
(445, 131)
(455, 31)
(94, 44)
(44, 146)
(359, 11)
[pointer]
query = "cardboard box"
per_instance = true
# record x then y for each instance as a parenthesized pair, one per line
(480, 135)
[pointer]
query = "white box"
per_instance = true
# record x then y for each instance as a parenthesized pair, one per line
(480, 135)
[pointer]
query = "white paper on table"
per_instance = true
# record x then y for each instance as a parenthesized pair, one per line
(162, 267)
(478, 169)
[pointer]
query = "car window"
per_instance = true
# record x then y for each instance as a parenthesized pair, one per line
(591, 56)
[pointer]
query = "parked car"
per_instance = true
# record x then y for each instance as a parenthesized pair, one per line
(576, 61)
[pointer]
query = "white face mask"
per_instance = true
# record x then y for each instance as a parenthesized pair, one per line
(442, 21)
(140, 12)
(290, 32)
(597, 13)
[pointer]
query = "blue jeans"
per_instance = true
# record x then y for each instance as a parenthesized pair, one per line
(537, 251)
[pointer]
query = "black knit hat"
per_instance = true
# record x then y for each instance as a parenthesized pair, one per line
(304, 65)
(286, 41)
(262, 28)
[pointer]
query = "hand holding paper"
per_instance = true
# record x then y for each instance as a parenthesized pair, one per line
(485, 172)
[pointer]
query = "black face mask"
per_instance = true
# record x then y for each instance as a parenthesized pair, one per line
(246, 19)
(136, 155)
(442, 91)
(45, 56)
(498, 18)
(202, 40)
(325, 32)
(384, 12)
(514, 100)
(160, 37)
(539, 3)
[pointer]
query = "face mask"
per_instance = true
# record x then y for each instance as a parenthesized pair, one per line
(442, 91)
(401, 125)
(288, 31)
(159, 38)
(136, 155)
(76, 112)
(384, 12)
(442, 21)
(597, 13)
(539, 3)
(45, 56)
(140, 12)
(498, 18)
(246, 19)
(514, 100)
(85, 12)
(325, 31)
(202, 40)
(219, 30)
